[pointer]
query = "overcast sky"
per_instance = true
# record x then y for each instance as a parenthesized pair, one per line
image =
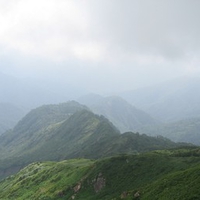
(102, 45)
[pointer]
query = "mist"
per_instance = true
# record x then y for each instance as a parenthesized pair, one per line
(94, 88)
(99, 46)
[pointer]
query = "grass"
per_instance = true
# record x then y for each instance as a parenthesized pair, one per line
(153, 175)
(48, 180)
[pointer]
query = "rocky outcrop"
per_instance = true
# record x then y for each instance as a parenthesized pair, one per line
(77, 187)
(99, 183)
(124, 195)
(137, 194)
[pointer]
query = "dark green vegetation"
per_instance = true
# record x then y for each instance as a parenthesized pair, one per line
(167, 174)
(122, 114)
(123, 167)
(70, 130)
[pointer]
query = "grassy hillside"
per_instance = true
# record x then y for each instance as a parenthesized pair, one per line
(44, 135)
(171, 174)
(181, 185)
(33, 127)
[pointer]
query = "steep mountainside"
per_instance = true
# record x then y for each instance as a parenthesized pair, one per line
(43, 134)
(170, 101)
(172, 174)
(35, 125)
(122, 114)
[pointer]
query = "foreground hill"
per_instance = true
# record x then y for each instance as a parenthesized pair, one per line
(122, 114)
(70, 130)
(170, 101)
(172, 174)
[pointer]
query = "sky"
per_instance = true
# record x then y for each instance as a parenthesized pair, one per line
(104, 46)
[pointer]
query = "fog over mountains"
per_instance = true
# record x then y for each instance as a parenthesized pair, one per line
(142, 110)
(28, 93)
(169, 101)
(99, 99)
(122, 114)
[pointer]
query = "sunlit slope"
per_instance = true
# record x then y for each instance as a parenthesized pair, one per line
(155, 175)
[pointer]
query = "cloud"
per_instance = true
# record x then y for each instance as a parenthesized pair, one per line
(90, 30)
(134, 40)
(165, 28)
(44, 28)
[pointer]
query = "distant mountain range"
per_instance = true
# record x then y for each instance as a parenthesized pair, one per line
(187, 130)
(122, 114)
(69, 130)
(170, 101)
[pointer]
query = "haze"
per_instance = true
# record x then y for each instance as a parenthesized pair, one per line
(99, 46)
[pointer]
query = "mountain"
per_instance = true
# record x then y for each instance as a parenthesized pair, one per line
(170, 101)
(9, 116)
(186, 130)
(172, 174)
(18, 96)
(69, 130)
(122, 114)
(36, 125)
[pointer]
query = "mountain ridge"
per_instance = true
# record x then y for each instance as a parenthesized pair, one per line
(82, 134)
(122, 114)
(169, 101)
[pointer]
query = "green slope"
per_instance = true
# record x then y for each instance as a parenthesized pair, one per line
(43, 135)
(180, 185)
(155, 175)
(47, 180)
(34, 126)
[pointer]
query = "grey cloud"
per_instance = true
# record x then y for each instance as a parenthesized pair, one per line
(163, 27)
(112, 44)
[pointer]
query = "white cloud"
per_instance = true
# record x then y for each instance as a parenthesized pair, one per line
(136, 40)
(45, 28)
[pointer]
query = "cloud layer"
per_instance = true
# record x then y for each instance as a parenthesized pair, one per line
(131, 39)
